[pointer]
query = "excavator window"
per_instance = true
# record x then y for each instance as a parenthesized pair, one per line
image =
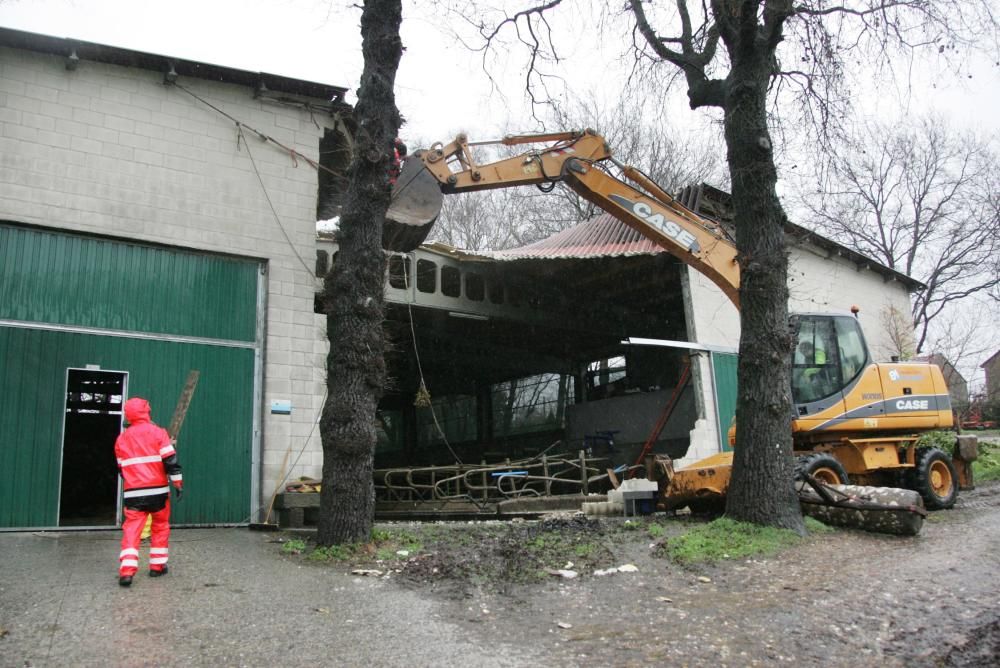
(853, 351)
(815, 362)
(829, 353)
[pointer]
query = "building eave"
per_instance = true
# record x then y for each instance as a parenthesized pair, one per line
(75, 51)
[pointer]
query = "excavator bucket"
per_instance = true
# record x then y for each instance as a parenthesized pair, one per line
(416, 203)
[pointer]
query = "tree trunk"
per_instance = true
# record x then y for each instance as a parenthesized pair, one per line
(761, 489)
(354, 293)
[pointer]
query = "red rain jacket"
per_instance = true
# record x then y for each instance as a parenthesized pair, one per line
(146, 459)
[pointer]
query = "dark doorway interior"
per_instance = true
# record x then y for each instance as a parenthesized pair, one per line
(93, 419)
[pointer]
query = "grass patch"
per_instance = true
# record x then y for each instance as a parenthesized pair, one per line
(813, 525)
(655, 530)
(294, 547)
(727, 539)
(987, 467)
(335, 552)
(385, 545)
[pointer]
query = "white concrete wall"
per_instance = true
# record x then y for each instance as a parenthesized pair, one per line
(822, 283)
(112, 150)
(818, 282)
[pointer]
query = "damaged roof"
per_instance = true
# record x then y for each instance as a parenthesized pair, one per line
(606, 236)
(603, 236)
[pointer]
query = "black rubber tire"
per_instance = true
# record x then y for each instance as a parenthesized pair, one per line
(822, 462)
(934, 478)
(710, 506)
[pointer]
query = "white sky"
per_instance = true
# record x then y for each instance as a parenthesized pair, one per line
(441, 89)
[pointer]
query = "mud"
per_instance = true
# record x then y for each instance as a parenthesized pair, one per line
(845, 598)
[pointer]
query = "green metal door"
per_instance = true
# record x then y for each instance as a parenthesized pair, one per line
(69, 301)
(724, 374)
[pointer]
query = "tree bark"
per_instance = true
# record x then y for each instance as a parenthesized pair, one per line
(354, 293)
(761, 490)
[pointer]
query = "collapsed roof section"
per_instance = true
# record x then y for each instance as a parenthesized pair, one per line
(482, 317)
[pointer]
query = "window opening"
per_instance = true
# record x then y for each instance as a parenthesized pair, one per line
(451, 282)
(399, 271)
(495, 291)
(426, 276)
(531, 404)
(475, 287)
(816, 370)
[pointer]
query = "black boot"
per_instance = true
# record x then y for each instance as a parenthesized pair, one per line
(156, 574)
(125, 580)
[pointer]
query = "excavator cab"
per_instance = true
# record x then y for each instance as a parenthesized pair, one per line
(829, 356)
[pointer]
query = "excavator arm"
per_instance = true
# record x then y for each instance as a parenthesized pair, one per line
(573, 158)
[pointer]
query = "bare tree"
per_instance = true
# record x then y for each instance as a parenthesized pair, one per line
(354, 293)
(922, 200)
(899, 327)
(727, 52)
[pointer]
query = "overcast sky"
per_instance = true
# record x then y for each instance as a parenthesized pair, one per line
(441, 88)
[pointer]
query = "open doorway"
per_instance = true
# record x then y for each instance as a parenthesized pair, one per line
(92, 420)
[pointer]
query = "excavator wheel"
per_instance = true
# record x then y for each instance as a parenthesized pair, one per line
(823, 466)
(934, 477)
(710, 505)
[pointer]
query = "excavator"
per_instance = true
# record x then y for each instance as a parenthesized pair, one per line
(854, 421)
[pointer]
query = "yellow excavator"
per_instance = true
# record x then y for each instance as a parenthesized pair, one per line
(855, 420)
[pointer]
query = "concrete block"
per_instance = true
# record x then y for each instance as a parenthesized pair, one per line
(25, 134)
(43, 93)
(9, 115)
(10, 85)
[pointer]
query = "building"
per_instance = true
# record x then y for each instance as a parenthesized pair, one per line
(992, 369)
(144, 234)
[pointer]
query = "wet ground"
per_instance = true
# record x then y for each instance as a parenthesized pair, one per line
(233, 598)
(844, 598)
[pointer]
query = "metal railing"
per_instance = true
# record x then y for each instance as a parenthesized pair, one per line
(540, 475)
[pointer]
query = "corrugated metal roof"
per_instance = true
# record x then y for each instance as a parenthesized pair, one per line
(603, 236)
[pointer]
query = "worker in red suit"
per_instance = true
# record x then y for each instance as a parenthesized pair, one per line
(398, 155)
(148, 464)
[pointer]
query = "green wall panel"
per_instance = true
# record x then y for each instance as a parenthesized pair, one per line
(215, 444)
(724, 367)
(52, 277)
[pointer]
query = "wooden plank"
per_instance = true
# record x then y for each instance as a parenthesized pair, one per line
(183, 402)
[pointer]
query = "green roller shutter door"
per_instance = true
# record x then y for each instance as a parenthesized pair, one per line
(92, 282)
(142, 315)
(724, 371)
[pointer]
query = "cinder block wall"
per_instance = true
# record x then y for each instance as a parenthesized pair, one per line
(112, 150)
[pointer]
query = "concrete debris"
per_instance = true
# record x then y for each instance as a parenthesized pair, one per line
(367, 571)
(702, 578)
(564, 573)
(564, 625)
(626, 568)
